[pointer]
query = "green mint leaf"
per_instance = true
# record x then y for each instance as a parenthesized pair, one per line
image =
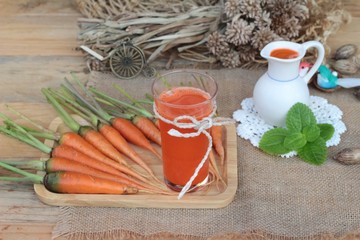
(272, 141)
(298, 117)
(311, 132)
(326, 130)
(294, 141)
(314, 152)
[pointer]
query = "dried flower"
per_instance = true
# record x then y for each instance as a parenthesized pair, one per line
(230, 59)
(287, 17)
(290, 8)
(250, 8)
(263, 19)
(247, 53)
(286, 27)
(232, 8)
(263, 36)
(239, 31)
(217, 43)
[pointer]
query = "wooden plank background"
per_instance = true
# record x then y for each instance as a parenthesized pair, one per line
(38, 49)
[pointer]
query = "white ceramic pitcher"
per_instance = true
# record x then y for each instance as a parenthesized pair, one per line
(281, 86)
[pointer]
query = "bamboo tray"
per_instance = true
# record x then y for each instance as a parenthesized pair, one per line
(209, 197)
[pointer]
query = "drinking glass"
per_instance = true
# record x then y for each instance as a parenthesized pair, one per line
(177, 94)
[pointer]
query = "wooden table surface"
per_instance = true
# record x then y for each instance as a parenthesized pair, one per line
(38, 49)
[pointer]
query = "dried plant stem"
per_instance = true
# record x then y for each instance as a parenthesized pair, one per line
(157, 32)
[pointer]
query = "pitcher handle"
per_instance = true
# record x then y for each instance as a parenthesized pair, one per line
(320, 58)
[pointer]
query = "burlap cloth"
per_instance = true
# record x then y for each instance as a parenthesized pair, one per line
(276, 197)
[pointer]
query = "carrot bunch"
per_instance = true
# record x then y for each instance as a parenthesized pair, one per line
(71, 155)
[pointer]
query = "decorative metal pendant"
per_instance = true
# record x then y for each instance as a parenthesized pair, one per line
(127, 61)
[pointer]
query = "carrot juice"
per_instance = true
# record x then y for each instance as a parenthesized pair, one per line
(181, 156)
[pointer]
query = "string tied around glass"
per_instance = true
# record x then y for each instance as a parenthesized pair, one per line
(201, 127)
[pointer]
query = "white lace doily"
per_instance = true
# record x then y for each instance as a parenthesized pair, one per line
(252, 127)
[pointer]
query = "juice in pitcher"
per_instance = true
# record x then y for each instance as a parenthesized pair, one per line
(187, 97)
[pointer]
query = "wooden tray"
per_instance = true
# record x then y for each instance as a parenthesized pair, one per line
(210, 197)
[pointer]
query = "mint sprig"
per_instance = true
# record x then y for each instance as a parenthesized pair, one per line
(302, 134)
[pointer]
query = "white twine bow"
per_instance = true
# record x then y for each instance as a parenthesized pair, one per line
(200, 127)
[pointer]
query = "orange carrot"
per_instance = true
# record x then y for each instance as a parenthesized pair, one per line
(76, 141)
(157, 122)
(79, 183)
(214, 169)
(217, 134)
(131, 133)
(72, 182)
(64, 151)
(122, 145)
(100, 142)
(148, 128)
(57, 164)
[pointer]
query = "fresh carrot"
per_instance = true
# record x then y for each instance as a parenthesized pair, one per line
(76, 141)
(148, 128)
(122, 145)
(218, 178)
(64, 151)
(58, 164)
(217, 134)
(157, 122)
(88, 133)
(74, 183)
(79, 183)
(133, 134)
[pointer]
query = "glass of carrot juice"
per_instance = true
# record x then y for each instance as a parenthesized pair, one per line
(183, 93)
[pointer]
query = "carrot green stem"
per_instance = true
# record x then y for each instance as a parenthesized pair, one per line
(15, 179)
(145, 101)
(32, 164)
(32, 177)
(78, 109)
(133, 100)
(120, 114)
(87, 93)
(122, 103)
(65, 116)
(150, 97)
(111, 111)
(28, 119)
(36, 133)
(94, 107)
(17, 132)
